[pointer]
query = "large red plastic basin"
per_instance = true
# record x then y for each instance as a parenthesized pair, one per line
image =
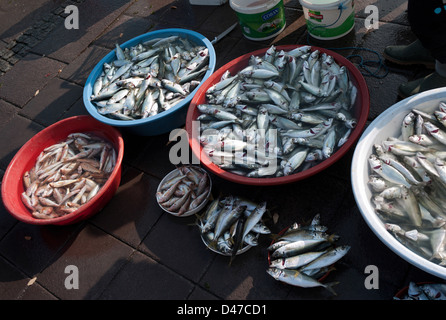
(12, 184)
(360, 111)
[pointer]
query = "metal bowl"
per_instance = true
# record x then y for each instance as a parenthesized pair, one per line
(175, 173)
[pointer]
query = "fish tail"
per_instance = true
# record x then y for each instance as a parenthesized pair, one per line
(274, 236)
(329, 286)
(213, 244)
(231, 259)
(197, 221)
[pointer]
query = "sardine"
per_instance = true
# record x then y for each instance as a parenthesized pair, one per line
(296, 94)
(299, 279)
(149, 67)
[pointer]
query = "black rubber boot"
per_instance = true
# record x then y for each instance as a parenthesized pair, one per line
(412, 54)
(432, 81)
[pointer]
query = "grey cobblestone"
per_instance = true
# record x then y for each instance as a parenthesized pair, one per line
(11, 44)
(19, 47)
(4, 65)
(6, 54)
(14, 59)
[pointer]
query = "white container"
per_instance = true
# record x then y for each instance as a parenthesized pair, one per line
(328, 19)
(260, 19)
(388, 124)
(208, 2)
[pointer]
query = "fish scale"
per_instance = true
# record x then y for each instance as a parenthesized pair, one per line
(301, 254)
(282, 91)
(159, 67)
(413, 209)
(231, 224)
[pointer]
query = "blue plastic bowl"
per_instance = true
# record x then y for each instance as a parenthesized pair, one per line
(167, 120)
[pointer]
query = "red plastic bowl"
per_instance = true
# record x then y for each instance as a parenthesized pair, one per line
(12, 184)
(361, 112)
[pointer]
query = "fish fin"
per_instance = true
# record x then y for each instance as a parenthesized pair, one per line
(329, 287)
(333, 237)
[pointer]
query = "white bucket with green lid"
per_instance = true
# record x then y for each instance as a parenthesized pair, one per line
(260, 19)
(329, 19)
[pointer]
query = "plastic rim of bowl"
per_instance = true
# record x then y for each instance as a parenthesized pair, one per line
(11, 196)
(88, 89)
(175, 173)
(359, 177)
(362, 107)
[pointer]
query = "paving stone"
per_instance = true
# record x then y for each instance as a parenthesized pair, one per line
(142, 278)
(79, 70)
(388, 11)
(182, 14)
(154, 9)
(31, 248)
(222, 18)
(187, 243)
(17, 16)
(6, 53)
(134, 145)
(381, 100)
(8, 111)
(35, 291)
(12, 141)
(97, 256)
(391, 267)
(4, 65)
(201, 294)
(66, 44)
(245, 279)
(14, 59)
(240, 47)
(127, 216)
(224, 50)
(154, 156)
(18, 87)
(12, 281)
(122, 30)
(52, 101)
(76, 109)
(7, 221)
(350, 286)
(295, 27)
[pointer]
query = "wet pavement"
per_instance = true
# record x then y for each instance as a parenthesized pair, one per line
(132, 250)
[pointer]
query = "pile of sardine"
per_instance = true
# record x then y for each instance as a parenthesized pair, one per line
(149, 78)
(185, 191)
(303, 254)
(426, 291)
(67, 175)
(408, 179)
(283, 113)
(232, 224)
